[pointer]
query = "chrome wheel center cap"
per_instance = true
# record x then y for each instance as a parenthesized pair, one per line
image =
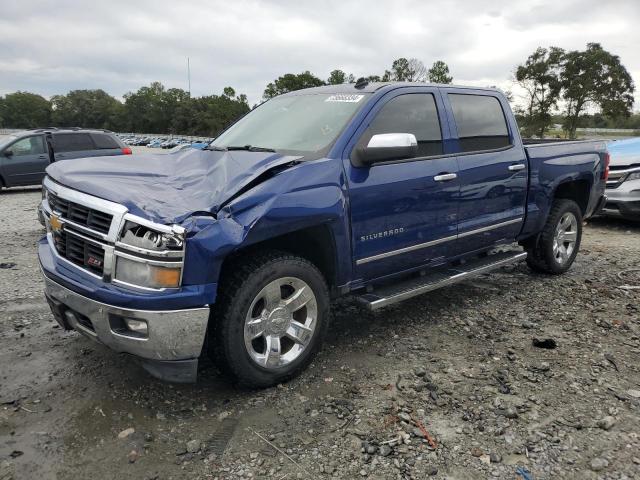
(278, 321)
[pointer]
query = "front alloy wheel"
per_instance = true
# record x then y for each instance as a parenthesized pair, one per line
(270, 318)
(280, 322)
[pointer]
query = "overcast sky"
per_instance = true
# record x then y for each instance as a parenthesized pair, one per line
(53, 47)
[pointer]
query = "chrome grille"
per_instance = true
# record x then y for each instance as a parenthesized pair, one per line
(86, 233)
(618, 174)
(80, 251)
(79, 214)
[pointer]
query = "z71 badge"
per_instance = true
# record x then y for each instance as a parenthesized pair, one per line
(385, 233)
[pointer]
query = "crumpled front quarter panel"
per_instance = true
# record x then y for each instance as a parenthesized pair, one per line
(306, 195)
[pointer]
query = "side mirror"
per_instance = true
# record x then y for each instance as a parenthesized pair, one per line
(8, 153)
(388, 146)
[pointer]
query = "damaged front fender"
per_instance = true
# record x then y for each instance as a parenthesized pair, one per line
(308, 194)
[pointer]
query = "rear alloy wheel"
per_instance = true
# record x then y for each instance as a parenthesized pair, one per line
(564, 240)
(270, 318)
(558, 244)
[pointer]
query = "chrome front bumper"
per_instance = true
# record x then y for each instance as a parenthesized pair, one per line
(174, 337)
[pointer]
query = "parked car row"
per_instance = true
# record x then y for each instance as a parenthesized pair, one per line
(162, 142)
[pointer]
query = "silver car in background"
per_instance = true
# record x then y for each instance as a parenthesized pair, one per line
(623, 185)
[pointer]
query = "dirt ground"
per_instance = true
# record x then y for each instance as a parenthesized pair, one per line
(448, 385)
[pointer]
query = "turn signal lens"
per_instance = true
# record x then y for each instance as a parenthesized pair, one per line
(166, 277)
(126, 151)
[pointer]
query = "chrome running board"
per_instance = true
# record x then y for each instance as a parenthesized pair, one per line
(397, 292)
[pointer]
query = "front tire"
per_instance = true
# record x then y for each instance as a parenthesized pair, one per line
(559, 242)
(270, 319)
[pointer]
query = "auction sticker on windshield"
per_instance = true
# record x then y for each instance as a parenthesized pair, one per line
(345, 97)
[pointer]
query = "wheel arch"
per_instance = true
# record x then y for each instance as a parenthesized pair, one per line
(315, 244)
(578, 190)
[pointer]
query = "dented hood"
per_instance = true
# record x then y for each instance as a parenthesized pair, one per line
(167, 188)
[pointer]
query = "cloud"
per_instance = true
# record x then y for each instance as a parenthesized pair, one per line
(119, 46)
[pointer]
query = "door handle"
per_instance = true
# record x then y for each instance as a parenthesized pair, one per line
(445, 177)
(517, 167)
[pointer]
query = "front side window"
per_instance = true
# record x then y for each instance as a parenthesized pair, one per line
(410, 113)
(28, 146)
(73, 142)
(302, 124)
(480, 121)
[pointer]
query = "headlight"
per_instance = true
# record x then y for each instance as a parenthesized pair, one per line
(146, 274)
(633, 176)
(151, 239)
(150, 255)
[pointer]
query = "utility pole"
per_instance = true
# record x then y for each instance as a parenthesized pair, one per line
(189, 75)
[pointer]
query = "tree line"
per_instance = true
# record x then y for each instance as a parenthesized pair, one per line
(156, 109)
(589, 88)
(152, 109)
(402, 70)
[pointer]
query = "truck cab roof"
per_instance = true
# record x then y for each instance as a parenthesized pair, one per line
(372, 87)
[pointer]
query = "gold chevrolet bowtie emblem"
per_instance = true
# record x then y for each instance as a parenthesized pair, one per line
(55, 223)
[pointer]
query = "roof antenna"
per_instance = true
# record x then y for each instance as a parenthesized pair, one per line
(361, 83)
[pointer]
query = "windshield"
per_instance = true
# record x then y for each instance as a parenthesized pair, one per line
(303, 124)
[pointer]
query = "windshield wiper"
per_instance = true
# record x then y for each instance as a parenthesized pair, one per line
(250, 148)
(215, 148)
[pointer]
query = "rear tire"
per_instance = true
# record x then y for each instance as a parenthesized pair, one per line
(270, 318)
(559, 242)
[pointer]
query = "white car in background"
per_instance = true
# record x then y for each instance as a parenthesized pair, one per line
(623, 185)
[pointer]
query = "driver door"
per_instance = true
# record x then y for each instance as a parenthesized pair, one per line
(404, 212)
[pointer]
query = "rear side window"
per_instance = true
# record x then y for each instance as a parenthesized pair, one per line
(411, 113)
(480, 121)
(104, 141)
(73, 142)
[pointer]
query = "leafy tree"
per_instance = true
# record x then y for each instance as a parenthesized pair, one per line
(595, 77)
(291, 82)
(25, 110)
(540, 78)
(228, 92)
(403, 70)
(213, 114)
(86, 108)
(144, 109)
(400, 69)
(337, 77)
(439, 73)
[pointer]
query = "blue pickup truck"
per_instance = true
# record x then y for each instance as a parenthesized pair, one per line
(382, 191)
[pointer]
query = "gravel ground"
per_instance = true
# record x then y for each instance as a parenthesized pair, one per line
(448, 385)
